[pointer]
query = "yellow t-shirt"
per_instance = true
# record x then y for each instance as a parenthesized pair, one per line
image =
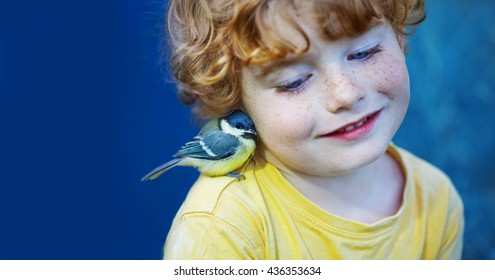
(265, 217)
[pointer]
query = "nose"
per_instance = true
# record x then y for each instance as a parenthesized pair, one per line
(342, 91)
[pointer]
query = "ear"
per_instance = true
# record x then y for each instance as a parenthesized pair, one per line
(402, 41)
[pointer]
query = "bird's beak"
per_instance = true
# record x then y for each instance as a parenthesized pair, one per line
(250, 134)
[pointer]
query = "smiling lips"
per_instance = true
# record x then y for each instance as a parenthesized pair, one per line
(355, 130)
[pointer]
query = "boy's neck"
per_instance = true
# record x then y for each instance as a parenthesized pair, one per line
(365, 195)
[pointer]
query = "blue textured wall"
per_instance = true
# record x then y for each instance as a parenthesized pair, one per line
(85, 112)
(452, 112)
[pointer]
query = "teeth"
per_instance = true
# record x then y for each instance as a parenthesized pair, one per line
(351, 127)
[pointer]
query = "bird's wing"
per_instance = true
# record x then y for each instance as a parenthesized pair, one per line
(213, 145)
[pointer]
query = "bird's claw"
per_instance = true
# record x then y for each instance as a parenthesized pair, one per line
(236, 175)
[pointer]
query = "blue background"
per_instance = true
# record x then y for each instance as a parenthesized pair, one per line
(86, 110)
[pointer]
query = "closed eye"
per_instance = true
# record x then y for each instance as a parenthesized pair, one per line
(365, 54)
(295, 85)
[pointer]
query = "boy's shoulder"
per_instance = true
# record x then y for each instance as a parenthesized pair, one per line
(422, 170)
(220, 215)
(221, 195)
(428, 179)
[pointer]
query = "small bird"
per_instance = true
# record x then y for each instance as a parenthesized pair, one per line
(222, 146)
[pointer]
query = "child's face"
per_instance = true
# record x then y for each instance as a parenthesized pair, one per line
(301, 105)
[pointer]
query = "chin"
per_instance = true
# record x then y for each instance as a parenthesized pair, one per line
(351, 163)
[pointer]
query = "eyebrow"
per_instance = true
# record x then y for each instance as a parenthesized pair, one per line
(375, 22)
(263, 70)
(275, 65)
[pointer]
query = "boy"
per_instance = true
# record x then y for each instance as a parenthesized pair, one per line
(327, 87)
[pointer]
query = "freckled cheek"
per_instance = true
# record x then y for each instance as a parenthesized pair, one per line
(283, 125)
(279, 120)
(392, 78)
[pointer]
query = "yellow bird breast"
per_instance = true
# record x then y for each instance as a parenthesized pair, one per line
(215, 168)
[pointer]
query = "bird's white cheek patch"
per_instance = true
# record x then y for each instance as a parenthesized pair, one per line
(230, 130)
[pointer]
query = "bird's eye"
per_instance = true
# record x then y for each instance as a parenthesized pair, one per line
(238, 126)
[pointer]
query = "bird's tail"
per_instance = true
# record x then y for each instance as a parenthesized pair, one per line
(155, 173)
